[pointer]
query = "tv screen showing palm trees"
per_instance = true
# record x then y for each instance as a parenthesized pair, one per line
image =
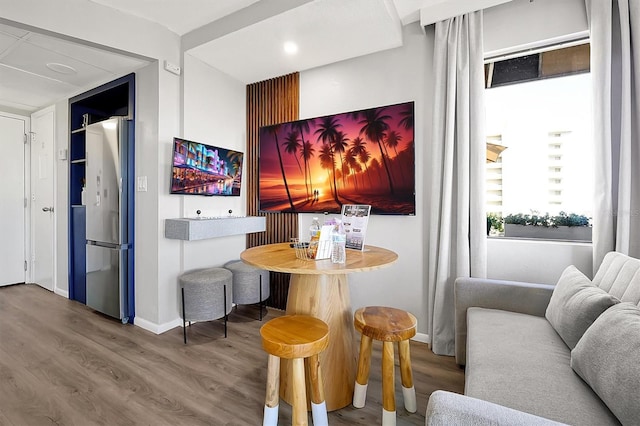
(360, 157)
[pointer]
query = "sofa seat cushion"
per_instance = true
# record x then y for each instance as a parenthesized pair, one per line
(519, 361)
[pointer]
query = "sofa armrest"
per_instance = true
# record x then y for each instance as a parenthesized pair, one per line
(448, 408)
(514, 296)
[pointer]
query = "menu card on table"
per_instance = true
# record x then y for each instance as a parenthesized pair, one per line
(354, 219)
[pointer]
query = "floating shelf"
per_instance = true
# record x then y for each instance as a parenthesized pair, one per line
(190, 229)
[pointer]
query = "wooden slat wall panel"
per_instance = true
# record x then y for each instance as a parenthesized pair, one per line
(270, 102)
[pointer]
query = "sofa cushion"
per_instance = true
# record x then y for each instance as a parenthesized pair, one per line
(575, 304)
(448, 408)
(619, 275)
(519, 361)
(607, 359)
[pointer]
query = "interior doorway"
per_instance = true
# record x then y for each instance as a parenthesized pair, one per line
(13, 199)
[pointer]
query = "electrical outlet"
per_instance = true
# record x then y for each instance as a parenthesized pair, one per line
(142, 184)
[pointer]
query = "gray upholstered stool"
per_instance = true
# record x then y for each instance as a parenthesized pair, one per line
(250, 284)
(206, 296)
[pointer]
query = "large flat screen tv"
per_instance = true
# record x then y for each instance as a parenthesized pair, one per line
(200, 169)
(360, 157)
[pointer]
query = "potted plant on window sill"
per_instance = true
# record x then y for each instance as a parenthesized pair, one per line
(573, 227)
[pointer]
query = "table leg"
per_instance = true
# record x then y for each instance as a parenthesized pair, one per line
(326, 297)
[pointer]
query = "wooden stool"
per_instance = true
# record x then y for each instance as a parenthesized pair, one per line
(299, 338)
(387, 325)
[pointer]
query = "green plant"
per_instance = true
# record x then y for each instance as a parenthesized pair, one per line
(571, 219)
(546, 220)
(494, 221)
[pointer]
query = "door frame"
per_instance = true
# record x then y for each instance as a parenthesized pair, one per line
(54, 234)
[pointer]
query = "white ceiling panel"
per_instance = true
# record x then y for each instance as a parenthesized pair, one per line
(29, 91)
(34, 59)
(6, 41)
(325, 31)
(13, 31)
(99, 58)
(178, 16)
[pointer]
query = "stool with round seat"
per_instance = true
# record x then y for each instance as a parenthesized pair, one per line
(206, 296)
(250, 284)
(299, 338)
(387, 325)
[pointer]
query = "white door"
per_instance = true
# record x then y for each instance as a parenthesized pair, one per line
(12, 200)
(42, 198)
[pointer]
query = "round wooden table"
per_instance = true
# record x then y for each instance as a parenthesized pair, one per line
(319, 288)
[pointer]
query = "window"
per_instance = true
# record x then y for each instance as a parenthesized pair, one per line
(538, 106)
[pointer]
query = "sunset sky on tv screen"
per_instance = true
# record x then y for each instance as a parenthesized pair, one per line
(359, 157)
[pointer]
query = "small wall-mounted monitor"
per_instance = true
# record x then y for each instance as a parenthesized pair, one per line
(201, 169)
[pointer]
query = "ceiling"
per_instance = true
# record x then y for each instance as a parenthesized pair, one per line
(238, 37)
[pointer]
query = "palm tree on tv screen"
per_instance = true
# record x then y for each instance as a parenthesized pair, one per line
(291, 146)
(306, 153)
(374, 128)
(274, 132)
(359, 149)
(328, 133)
(352, 162)
(235, 158)
(340, 145)
(302, 126)
(392, 140)
(407, 116)
(327, 162)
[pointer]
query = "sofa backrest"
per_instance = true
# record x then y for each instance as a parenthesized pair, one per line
(619, 275)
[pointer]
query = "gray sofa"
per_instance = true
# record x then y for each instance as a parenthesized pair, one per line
(545, 354)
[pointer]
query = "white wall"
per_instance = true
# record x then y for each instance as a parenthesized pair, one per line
(388, 77)
(213, 112)
(524, 24)
(535, 261)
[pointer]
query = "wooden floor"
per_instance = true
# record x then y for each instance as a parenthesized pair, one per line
(62, 363)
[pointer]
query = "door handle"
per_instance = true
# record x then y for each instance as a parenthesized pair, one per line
(47, 209)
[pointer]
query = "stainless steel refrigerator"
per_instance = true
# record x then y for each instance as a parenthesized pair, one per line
(106, 200)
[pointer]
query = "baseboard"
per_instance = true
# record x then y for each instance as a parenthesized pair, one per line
(421, 337)
(63, 293)
(156, 328)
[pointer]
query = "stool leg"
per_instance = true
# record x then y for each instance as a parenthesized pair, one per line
(318, 405)
(299, 400)
(408, 391)
(362, 377)
(388, 385)
(260, 304)
(271, 402)
(224, 292)
(184, 322)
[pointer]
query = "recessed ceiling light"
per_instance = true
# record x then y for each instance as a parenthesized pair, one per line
(61, 68)
(290, 48)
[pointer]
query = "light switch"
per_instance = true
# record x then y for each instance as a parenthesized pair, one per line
(142, 184)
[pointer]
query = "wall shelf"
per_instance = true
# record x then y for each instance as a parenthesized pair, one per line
(190, 229)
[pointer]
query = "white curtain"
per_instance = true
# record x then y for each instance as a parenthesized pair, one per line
(615, 70)
(457, 230)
